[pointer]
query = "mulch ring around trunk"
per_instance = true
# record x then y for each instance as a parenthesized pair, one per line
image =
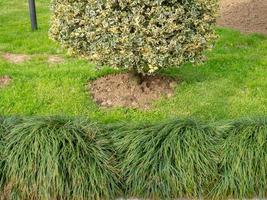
(4, 81)
(128, 90)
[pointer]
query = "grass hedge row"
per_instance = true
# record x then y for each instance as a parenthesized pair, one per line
(75, 158)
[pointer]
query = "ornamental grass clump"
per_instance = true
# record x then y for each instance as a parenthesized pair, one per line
(143, 35)
(243, 164)
(2, 131)
(169, 160)
(6, 124)
(59, 158)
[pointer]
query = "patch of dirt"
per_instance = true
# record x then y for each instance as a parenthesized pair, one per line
(55, 59)
(16, 58)
(4, 80)
(248, 16)
(126, 90)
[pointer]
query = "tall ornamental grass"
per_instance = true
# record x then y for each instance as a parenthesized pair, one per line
(66, 158)
(243, 164)
(58, 158)
(2, 130)
(6, 125)
(168, 160)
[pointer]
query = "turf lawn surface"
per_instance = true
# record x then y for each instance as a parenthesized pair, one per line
(232, 83)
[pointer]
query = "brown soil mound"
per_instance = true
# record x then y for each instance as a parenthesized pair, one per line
(16, 58)
(125, 90)
(4, 80)
(248, 16)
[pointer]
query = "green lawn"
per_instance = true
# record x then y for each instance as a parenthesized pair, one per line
(231, 84)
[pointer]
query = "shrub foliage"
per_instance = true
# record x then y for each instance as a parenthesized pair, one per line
(170, 160)
(58, 158)
(144, 35)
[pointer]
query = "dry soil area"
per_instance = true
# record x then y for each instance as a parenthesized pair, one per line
(16, 58)
(128, 90)
(248, 16)
(4, 80)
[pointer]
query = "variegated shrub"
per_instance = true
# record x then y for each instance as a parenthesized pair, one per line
(144, 35)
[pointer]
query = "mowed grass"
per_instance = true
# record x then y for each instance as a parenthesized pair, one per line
(232, 83)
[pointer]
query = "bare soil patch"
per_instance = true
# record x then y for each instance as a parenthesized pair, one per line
(4, 80)
(16, 58)
(248, 16)
(55, 59)
(127, 90)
